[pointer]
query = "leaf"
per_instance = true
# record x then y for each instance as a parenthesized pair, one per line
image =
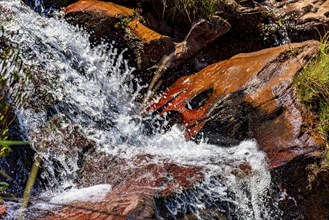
(3, 186)
(12, 143)
(6, 175)
(5, 151)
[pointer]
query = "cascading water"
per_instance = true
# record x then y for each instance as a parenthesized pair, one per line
(93, 88)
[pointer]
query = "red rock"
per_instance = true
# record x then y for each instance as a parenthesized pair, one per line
(133, 197)
(3, 210)
(252, 96)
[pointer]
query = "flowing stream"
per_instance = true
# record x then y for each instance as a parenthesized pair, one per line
(93, 88)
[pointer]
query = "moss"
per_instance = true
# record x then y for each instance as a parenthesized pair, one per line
(313, 91)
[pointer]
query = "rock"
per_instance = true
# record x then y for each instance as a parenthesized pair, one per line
(201, 35)
(134, 191)
(108, 8)
(267, 23)
(304, 18)
(113, 22)
(107, 20)
(299, 20)
(3, 210)
(60, 144)
(205, 214)
(59, 136)
(246, 21)
(304, 187)
(51, 3)
(249, 96)
(58, 3)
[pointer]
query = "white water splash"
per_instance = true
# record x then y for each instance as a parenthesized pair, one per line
(88, 194)
(92, 88)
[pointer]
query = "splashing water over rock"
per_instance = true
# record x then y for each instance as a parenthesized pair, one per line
(93, 94)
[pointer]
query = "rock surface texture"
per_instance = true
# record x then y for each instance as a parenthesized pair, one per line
(249, 96)
(303, 18)
(3, 210)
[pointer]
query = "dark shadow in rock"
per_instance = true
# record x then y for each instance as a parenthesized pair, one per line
(301, 201)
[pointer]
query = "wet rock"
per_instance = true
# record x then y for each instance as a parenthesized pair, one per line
(113, 22)
(201, 35)
(57, 3)
(246, 34)
(60, 136)
(125, 26)
(284, 20)
(51, 3)
(135, 188)
(3, 210)
(249, 96)
(303, 19)
(304, 189)
(257, 25)
(61, 146)
(205, 214)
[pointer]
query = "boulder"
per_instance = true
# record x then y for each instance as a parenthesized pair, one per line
(250, 95)
(107, 20)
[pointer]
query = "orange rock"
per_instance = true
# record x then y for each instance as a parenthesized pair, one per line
(116, 11)
(148, 46)
(3, 210)
(108, 8)
(262, 82)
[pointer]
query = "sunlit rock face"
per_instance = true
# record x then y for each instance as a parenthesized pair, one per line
(248, 96)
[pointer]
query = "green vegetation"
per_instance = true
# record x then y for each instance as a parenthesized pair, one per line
(313, 88)
(124, 21)
(193, 10)
(3, 187)
(3, 194)
(313, 91)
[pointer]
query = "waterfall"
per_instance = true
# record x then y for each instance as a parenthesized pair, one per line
(93, 88)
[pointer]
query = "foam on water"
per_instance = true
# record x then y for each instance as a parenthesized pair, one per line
(92, 194)
(93, 89)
